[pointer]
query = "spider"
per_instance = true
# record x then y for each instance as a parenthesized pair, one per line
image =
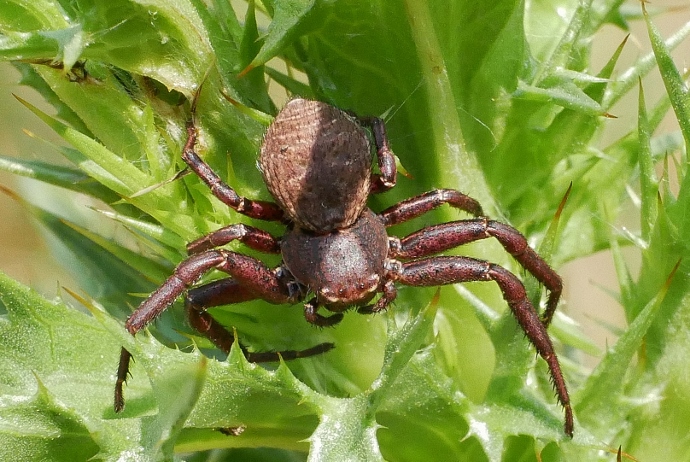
(336, 254)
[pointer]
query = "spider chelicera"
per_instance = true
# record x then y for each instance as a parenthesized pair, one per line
(316, 162)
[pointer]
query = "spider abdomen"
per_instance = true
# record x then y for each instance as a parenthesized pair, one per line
(313, 157)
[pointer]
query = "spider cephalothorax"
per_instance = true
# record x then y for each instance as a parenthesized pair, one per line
(316, 163)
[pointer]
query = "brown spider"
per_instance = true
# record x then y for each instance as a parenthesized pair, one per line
(316, 163)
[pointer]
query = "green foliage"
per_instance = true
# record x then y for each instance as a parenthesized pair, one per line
(497, 100)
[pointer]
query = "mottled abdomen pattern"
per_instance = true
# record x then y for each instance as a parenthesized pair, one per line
(314, 155)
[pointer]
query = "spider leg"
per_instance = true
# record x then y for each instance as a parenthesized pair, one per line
(216, 293)
(386, 160)
(437, 238)
(419, 205)
(252, 273)
(254, 238)
(253, 276)
(225, 292)
(313, 317)
(389, 294)
(444, 270)
(262, 210)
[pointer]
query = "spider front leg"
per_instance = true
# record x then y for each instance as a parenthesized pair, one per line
(244, 268)
(313, 317)
(255, 279)
(444, 270)
(229, 291)
(388, 294)
(437, 238)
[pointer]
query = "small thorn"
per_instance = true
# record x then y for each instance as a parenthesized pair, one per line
(148, 189)
(561, 206)
(246, 71)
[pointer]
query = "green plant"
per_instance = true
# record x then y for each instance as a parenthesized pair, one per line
(498, 101)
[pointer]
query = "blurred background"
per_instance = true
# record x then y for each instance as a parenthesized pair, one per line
(32, 256)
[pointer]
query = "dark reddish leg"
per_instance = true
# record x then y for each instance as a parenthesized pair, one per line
(256, 209)
(386, 160)
(435, 239)
(250, 272)
(254, 238)
(444, 270)
(226, 292)
(254, 277)
(389, 294)
(313, 317)
(222, 292)
(122, 373)
(419, 205)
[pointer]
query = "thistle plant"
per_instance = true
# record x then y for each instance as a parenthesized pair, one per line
(500, 101)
